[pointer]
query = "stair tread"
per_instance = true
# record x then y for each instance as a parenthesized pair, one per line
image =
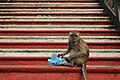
(57, 38)
(32, 68)
(60, 45)
(42, 61)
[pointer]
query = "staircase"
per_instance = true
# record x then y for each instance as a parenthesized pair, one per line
(31, 30)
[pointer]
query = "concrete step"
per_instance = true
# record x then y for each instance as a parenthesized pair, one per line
(57, 38)
(52, 10)
(52, 14)
(57, 26)
(45, 72)
(83, 27)
(36, 1)
(83, 4)
(14, 60)
(56, 45)
(30, 69)
(7, 52)
(58, 32)
(54, 22)
(51, 7)
(54, 17)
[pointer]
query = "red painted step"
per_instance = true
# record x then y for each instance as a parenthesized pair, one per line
(49, 69)
(57, 45)
(62, 1)
(99, 61)
(58, 33)
(53, 73)
(54, 22)
(61, 7)
(61, 76)
(50, 14)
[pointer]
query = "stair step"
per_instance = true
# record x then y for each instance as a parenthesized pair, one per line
(81, 4)
(53, 17)
(58, 33)
(52, 7)
(62, 1)
(6, 52)
(54, 22)
(57, 38)
(48, 69)
(57, 27)
(99, 61)
(57, 45)
(52, 14)
(64, 73)
(53, 10)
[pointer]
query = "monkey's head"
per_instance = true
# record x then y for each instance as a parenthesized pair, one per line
(74, 37)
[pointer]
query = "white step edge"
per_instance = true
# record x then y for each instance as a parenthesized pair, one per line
(35, 26)
(52, 17)
(57, 38)
(54, 37)
(57, 28)
(84, 3)
(50, 4)
(48, 52)
(62, 13)
(51, 10)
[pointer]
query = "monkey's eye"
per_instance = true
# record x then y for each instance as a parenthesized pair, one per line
(76, 36)
(71, 35)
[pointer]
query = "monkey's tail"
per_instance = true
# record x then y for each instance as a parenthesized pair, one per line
(84, 71)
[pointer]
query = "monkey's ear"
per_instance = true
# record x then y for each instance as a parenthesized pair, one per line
(78, 33)
(70, 33)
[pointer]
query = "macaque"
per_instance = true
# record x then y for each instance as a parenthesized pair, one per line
(78, 52)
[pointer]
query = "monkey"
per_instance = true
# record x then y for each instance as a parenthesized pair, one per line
(78, 52)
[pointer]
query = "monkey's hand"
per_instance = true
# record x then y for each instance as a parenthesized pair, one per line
(60, 55)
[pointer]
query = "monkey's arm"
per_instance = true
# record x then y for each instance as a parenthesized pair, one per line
(66, 52)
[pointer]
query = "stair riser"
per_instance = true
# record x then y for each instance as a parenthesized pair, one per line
(61, 7)
(50, 1)
(51, 17)
(55, 10)
(57, 45)
(46, 69)
(58, 33)
(80, 20)
(27, 62)
(50, 14)
(61, 76)
(55, 22)
(43, 61)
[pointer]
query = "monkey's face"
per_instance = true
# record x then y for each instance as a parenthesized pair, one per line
(74, 37)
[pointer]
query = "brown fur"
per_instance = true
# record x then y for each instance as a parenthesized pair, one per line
(78, 51)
